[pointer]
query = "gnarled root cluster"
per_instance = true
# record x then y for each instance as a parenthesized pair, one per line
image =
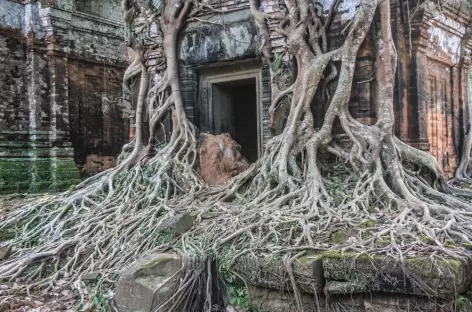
(363, 190)
(114, 217)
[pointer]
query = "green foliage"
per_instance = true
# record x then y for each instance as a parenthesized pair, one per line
(238, 296)
(463, 304)
(164, 237)
(101, 304)
(9, 234)
(277, 63)
(122, 176)
(236, 288)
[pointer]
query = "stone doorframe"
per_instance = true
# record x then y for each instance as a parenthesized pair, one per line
(212, 76)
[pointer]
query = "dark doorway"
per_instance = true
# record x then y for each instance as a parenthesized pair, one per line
(234, 110)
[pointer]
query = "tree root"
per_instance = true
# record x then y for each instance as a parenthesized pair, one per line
(311, 191)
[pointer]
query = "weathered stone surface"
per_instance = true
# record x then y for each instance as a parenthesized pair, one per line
(270, 272)
(60, 91)
(203, 42)
(136, 285)
(178, 224)
(351, 273)
(92, 276)
(268, 300)
(343, 273)
(346, 287)
(4, 253)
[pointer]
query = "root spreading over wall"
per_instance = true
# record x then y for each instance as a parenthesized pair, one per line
(379, 197)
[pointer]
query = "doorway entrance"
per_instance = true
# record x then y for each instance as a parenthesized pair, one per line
(234, 106)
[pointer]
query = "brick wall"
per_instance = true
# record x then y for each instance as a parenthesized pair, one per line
(13, 85)
(431, 92)
(61, 100)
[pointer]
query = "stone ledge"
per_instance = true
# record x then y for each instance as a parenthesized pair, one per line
(140, 287)
(353, 273)
(334, 272)
(269, 272)
(268, 300)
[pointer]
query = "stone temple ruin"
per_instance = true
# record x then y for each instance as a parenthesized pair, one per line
(227, 88)
(63, 108)
(61, 105)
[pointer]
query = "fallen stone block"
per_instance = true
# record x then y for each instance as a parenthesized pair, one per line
(4, 253)
(269, 300)
(178, 224)
(354, 273)
(270, 272)
(136, 287)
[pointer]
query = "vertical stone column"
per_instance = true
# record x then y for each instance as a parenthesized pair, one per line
(461, 120)
(38, 105)
(418, 100)
(188, 81)
(417, 114)
(27, 137)
(266, 101)
(453, 119)
(63, 170)
(362, 106)
(400, 98)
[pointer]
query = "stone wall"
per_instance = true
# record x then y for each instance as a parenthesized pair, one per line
(326, 281)
(14, 88)
(432, 79)
(61, 102)
(431, 91)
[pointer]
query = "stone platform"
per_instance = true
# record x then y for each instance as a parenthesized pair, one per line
(328, 281)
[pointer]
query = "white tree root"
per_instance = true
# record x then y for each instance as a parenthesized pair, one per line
(311, 185)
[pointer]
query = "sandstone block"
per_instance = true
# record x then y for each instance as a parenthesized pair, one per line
(136, 287)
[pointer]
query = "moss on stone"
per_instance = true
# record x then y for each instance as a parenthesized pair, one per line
(308, 258)
(426, 266)
(157, 261)
(339, 237)
(37, 175)
(426, 240)
(450, 244)
(369, 223)
(467, 246)
(384, 241)
(340, 255)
